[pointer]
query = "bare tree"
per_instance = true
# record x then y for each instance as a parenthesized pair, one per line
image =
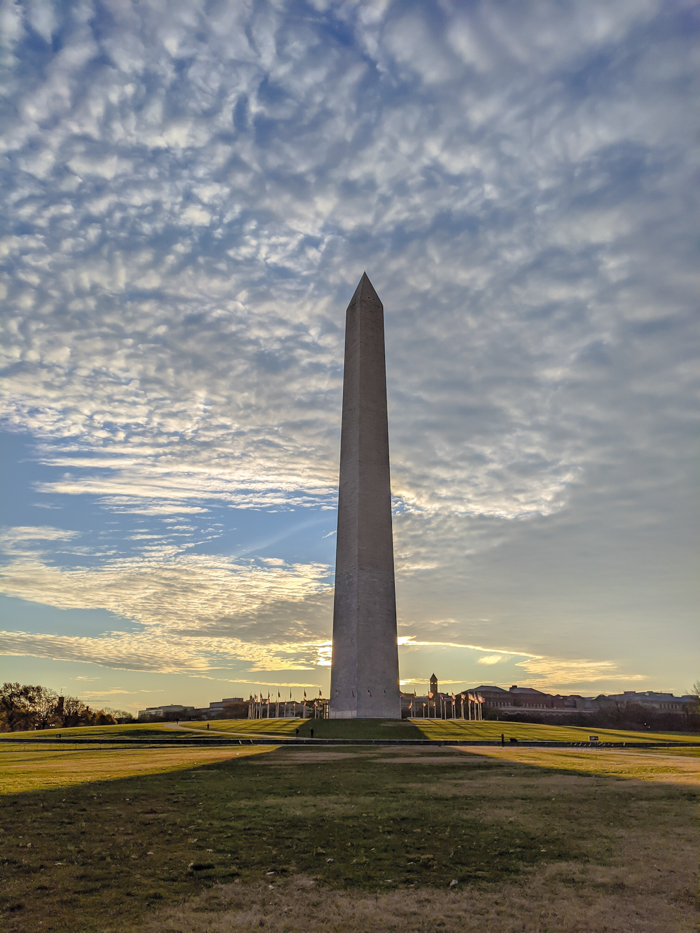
(44, 707)
(119, 713)
(15, 707)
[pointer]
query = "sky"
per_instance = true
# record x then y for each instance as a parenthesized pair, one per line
(190, 192)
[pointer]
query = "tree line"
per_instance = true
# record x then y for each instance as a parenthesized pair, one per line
(24, 707)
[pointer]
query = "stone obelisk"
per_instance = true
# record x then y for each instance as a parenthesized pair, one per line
(365, 670)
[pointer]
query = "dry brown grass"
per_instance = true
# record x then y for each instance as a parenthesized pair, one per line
(640, 881)
(310, 756)
(634, 897)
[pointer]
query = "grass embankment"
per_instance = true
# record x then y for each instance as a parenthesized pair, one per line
(247, 727)
(360, 729)
(491, 731)
(356, 729)
(437, 729)
(145, 731)
(102, 856)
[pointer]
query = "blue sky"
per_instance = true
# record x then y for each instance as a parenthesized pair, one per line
(190, 193)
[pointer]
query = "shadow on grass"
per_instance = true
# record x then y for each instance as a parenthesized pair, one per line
(100, 856)
(360, 729)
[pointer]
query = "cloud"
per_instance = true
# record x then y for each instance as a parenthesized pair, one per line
(192, 611)
(10, 538)
(24, 540)
(169, 589)
(191, 199)
(554, 671)
(260, 300)
(157, 651)
(543, 672)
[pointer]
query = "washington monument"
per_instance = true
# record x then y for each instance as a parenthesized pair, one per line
(365, 670)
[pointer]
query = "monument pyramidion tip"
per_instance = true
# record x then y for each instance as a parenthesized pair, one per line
(365, 291)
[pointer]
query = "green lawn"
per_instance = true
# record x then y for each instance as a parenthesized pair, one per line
(437, 729)
(661, 765)
(430, 729)
(473, 731)
(140, 731)
(102, 856)
(322, 728)
(248, 727)
(360, 729)
(24, 768)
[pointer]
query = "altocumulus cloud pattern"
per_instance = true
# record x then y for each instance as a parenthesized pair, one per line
(190, 194)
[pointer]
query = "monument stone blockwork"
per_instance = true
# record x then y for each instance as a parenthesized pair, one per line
(365, 667)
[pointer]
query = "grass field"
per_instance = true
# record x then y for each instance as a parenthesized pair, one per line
(443, 730)
(23, 768)
(248, 727)
(673, 766)
(352, 839)
(491, 731)
(138, 731)
(322, 728)
(357, 729)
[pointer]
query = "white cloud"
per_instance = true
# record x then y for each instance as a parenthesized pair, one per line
(556, 671)
(167, 589)
(158, 652)
(192, 611)
(33, 539)
(192, 198)
(42, 16)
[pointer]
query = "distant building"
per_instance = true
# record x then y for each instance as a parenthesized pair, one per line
(160, 712)
(518, 700)
(521, 699)
(220, 705)
(229, 707)
(651, 699)
(524, 699)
